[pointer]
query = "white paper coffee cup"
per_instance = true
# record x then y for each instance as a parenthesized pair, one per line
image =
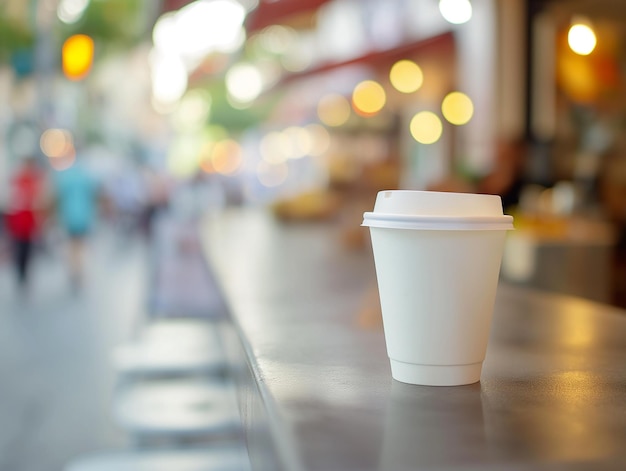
(437, 258)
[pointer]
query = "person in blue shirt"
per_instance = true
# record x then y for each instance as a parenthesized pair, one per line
(77, 206)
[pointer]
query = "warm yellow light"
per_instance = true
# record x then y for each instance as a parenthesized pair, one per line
(426, 127)
(226, 157)
(333, 110)
(368, 98)
(406, 76)
(581, 39)
(457, 108)
(77, 56)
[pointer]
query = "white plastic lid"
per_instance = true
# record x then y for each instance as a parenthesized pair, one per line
(432, 210)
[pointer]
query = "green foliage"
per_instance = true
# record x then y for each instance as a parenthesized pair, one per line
(117, 23)
(13, 37)
(236, 120)
(113, 23)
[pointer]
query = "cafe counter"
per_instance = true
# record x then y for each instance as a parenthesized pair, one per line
(306, 342)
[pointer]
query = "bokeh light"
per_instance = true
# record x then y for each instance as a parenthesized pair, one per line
(274, 147)
(163, 34)
(226, 157)
(299, 142)
(77, 56)
(406, 76)
(169, 80)
(200, 28)
(277, 38)
(368, 98)
(56, 143)
(426, 127)
(70, 11)
(581, 39)
(184, 38)
(244, 82)
(320, 139)
(58, 146)
(456, 11)
(193, 111)
(272, 175)
(457, 108)
(333, 110)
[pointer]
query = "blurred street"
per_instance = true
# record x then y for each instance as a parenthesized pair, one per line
(57, 377)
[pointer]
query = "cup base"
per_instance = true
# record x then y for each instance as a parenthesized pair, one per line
(435, 375)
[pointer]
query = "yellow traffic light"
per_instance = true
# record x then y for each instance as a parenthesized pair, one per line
(77, 56)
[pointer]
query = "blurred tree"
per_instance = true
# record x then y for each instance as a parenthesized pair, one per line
(237, 119)
(13, 36)
(16, 43)
(114, 23)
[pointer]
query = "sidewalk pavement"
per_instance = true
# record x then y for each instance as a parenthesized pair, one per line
(56, 377)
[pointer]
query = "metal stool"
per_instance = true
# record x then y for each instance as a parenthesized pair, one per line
(179, 410)
(172, 347)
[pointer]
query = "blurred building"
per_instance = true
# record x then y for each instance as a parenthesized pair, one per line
(314, 105)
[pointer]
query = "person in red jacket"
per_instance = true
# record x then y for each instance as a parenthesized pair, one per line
(24, 214)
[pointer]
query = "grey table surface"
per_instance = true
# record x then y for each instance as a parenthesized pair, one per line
(552, 393)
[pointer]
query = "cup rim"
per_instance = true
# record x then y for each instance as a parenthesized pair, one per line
(444, 223)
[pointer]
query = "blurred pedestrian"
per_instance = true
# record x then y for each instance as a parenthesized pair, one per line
(24, 215)
(77, 205)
